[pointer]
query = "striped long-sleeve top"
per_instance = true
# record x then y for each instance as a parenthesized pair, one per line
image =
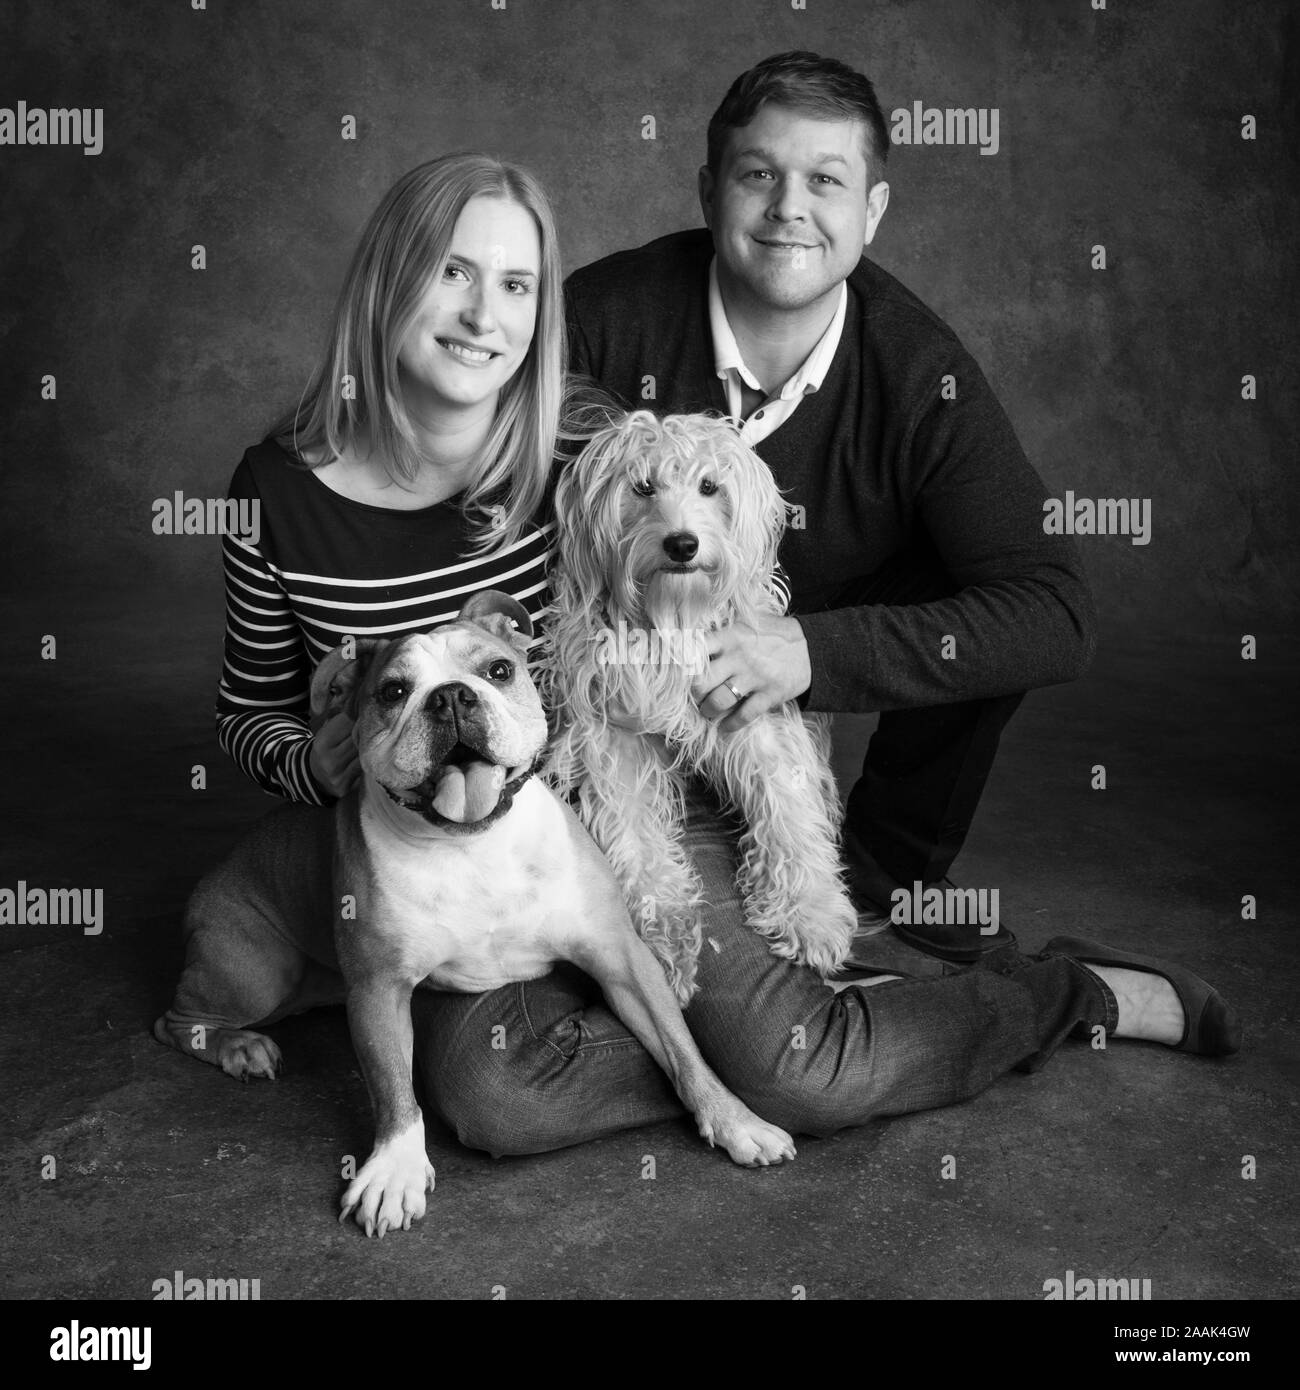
(323, 567)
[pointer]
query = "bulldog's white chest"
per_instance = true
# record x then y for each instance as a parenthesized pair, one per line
(475, 912)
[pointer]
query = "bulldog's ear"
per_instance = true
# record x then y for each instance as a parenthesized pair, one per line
(337, 680)
(501, 615)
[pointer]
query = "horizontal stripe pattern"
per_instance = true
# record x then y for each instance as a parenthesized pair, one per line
(325, 567)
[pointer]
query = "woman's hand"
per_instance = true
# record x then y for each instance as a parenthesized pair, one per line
(333, 759)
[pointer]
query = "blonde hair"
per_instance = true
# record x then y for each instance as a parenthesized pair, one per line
(406, 243)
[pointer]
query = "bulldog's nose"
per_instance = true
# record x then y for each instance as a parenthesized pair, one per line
(449, 700)
(681, 546)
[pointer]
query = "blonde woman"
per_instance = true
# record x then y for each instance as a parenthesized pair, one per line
(414, 470)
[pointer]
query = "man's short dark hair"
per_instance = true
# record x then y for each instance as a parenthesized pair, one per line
(822, 87)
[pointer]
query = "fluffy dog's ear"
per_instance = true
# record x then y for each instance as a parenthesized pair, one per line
(501, 615)
(337, 680)
(758, 510)
(588, 526)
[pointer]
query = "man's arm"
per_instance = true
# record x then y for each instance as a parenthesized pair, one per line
(1021, 614)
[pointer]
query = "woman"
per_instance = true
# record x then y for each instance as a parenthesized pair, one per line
(415, 472)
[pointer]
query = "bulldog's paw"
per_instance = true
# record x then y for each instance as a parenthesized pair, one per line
(243, 1054)
(751, 1142)
(388, 1193)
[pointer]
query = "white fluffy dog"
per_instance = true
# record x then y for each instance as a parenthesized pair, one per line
(668, 529)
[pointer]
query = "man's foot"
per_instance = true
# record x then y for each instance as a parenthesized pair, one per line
(960, 937)
(957, 942)
(961, 942)
(877, 951)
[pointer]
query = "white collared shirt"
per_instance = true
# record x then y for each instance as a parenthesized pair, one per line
(731, 369)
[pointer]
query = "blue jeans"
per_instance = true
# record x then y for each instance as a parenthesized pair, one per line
(544, 1064)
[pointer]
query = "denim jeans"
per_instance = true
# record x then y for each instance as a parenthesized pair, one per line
(544, 1064)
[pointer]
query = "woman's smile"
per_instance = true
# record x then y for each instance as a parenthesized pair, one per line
(464, 352)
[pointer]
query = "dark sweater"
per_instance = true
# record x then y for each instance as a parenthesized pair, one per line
(885, 468)
(327, 566)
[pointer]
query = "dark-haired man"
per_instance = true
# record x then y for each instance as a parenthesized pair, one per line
(923, 585)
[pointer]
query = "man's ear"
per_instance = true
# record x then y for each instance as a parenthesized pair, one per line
(501, 615)
(336, 682)
(706, 185)
(877, 202)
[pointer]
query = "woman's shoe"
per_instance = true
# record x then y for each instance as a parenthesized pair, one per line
(1211, 1027)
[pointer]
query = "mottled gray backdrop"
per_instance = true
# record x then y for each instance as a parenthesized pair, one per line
(222, 127)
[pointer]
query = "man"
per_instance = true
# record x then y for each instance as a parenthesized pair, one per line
(923, 585)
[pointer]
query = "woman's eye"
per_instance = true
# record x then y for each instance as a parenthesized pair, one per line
(500, 671)
(708, 487)
(518, 286)
(643, 487)
(392, 692)
(454, 270)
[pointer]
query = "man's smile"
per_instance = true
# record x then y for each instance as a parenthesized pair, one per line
(786, 245)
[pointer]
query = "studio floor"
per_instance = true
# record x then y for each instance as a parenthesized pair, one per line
(1127, 1163)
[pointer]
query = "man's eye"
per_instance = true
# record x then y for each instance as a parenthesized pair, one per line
(707, 487)
(500, 671)
(392, 692)
(643, 487)
(757, 174)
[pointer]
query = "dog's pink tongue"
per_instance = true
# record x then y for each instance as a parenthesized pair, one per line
(469, 792)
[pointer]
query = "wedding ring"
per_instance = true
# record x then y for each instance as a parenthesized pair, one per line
(734, 691)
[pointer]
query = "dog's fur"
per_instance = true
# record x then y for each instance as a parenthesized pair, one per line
(629, 732)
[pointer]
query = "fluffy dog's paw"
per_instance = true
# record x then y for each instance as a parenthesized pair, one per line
(388, 1193)
(242, 1054)
(818, 932)
(751, 1142)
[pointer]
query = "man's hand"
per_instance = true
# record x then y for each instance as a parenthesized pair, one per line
(765, 660)
(333, 758)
